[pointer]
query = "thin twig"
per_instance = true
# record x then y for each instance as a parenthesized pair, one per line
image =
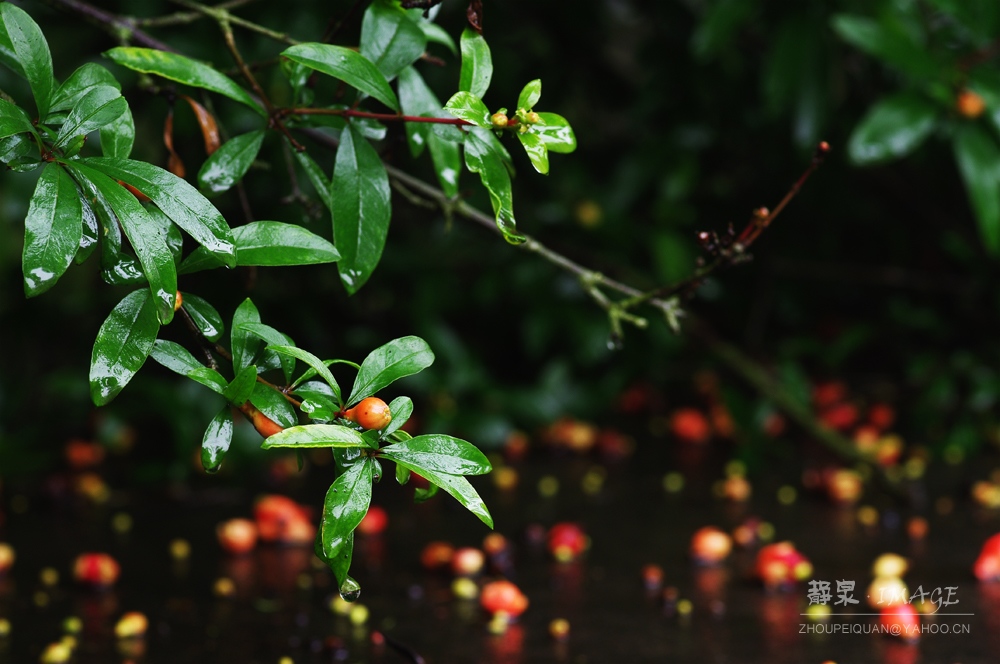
(112, 23)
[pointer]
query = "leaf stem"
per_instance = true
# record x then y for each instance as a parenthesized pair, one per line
(385, 117)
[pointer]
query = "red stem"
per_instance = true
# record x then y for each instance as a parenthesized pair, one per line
(388, 117)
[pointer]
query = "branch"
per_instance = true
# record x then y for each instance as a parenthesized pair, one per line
(118, 26)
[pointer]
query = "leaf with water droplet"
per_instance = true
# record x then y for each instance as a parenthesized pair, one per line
(350, 590)
(122, 345)
(215, 442)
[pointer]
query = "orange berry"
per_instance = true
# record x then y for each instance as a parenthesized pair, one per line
(264, 425)
(690, 426)
(370, 413)
(179, 301)
(237, 536)
(969, 104)
(503, 596)
(710, 546)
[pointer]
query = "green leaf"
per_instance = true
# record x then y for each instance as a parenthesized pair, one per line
(417, 99)
(317, 364)
(467, 106)
(273, 404)
(555, 133)
(242, 386)
(230, 162)
(535, 148)
(272, 336)
(205, 317)
(315, 435)
(390, 39)
(361, 208)
(457, 486)
(978, 158)
(184, 70)
(477, 64)
(177, 358)
(122, 345)
(482, 157)
(100, 106)
(388, 363)
(889, 42)
(89, 231)
(434, 33)
(319, 401)
(178, 200)
(118, 136)
(347, 66)
(401, 409)
(53, 230)
(143, 234)
(13, 120)
(439, 453)
(316, 176)
(345, 506)
(218, 436)
(31, 52)
(79, 83)
(892, 128)
(530, 95)
(269, 244)
(244, 343)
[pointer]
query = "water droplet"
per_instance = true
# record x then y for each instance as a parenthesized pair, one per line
(615, 342)
(350, 590)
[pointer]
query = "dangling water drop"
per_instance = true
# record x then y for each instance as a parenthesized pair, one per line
(615, 342)
(350, 590)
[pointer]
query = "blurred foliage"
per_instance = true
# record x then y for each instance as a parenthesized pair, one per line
(688, 115)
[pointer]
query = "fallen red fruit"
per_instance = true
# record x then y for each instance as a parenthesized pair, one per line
(567, 541)
(987, 565)
(99, 570)
(780, 566)
(237, 536)
(503, 596)
(467, 561)
(436, 555)
(374, 522)
(689, 425)
(901, 621)
(710, 546)
(281, 519)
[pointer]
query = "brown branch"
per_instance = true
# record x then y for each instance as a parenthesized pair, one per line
(113, 24)
(385, 117)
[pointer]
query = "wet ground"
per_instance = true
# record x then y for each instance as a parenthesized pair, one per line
(281, 604)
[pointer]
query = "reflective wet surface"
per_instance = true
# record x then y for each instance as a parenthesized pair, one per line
(279, 604)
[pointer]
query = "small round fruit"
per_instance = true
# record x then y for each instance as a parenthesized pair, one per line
(370, 413)
(969, 104)
(467, 561)
(689, 425)
(567, 542)
(131, 625)
(436, 555)
(503, 596)
(499, 119)
(374, 522)
(96, 569)
(710, 546)
(237, 536)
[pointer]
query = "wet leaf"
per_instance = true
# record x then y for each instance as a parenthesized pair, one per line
(89, 231)
(401, 409)
(347, 66)
(205, 317)
(481, 157)
(361, 208)
(315, 435)
(79, 83)
(229, 163)
(469, 107)
(13, 120)
(244, 343)
(388, 363)
(177, 358)
(31, 52)
(555, 133)
(269, 244)
(314, 362)
(477, 64)
(978, 158)
(53, 230)
(457, 486)
(535, 148)
(345, 506)
(439, 453)
(417, 99)
(530, 95)
(99, 107)
(218, 436)
(889, 42)
(143, 235)
(122, 345)
(272, 336)
(184, 70)
(178, 200)
(316, 176)
(118, 136)
(274, 405)
(892, 128)
(319, 401)
(390, 39)
(242, 386)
